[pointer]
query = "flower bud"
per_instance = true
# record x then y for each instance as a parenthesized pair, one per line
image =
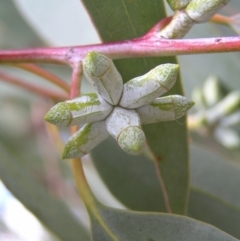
(144, 89)
(198, 98)
(178, 27)
(202, 10)
(225, 107)
(85, 139)
(231, 120)
(227, 137)
(124, 125)
(102, 73)
(167, 108)
(85, 109)
(212, 91)
(178, 4)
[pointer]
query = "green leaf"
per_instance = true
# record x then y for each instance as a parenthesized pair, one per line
(67, 33)
(50, 210)
(28, 168)
(216, 175)
(118, 20)
(208, 142)
(210, 209)
(13, 26)
(215, 194)
(132, 226)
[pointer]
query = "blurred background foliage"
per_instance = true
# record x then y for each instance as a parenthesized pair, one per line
(30, 156)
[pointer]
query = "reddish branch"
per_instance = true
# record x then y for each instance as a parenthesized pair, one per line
(45, 74)
(56, 95)
(150, 45)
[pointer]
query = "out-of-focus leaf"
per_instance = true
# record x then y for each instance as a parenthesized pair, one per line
(215, 175)
(75, 29)
(207, 141)
(27, 175)
(118, 20)
(14, 31)
(210, 209)
(215, 194)
(132, 226)
(52, 212)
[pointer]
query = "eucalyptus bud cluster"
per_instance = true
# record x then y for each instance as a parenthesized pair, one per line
(219, 111)
(118, 109)
(189, 12)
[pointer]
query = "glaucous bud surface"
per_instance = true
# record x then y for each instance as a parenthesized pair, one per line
(102, 73)
(84, 109)
(144, 89)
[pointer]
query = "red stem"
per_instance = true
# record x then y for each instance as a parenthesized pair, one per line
(33, 88)
(76, 80)
(140, 47)
(45, 74)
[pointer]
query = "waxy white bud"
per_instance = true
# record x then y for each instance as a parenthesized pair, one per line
(229, 138)
(167, 108)
(144, 89)
(178, 4)
(198, 98)
(202, 10)
(223, 108)
(102, 73)
(85, 109)
(178, 27)
(125, 126)
(212, 91)
(231, 120)
(85, 139)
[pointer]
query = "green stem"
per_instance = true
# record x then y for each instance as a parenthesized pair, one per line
(90, 201)
(88, 198)
(85, 192)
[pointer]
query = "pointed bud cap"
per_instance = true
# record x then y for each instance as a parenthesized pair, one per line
(167, 108)
(202, 10)
(84, 140)
(59, 115)
(144, 89)
(102, 73)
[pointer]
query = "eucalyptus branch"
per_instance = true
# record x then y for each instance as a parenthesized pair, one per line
(150, 45)
(33, 88)
(45, 74)
(76, 79)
